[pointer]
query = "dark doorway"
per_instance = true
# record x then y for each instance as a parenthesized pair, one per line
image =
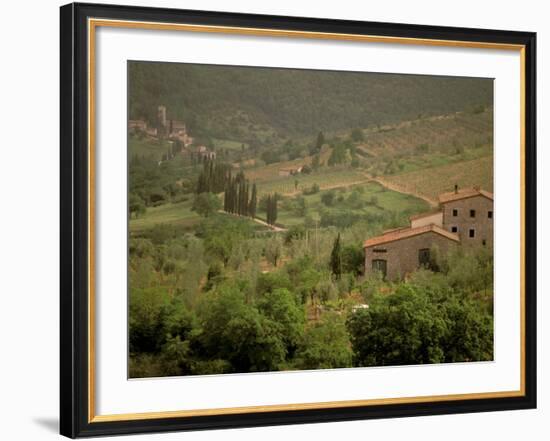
(424, 257)
(380, 265)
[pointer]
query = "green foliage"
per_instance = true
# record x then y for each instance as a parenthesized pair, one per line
(252, 205)
(153, 184)
(153, 316)
(271, 209)
(280, 306)
(231, 102)
(355, 200)
(147, 314)
(339, 218)
(213, 177)
(371, 285)
(336, 258)
(338, 155)
(320, 141)
(327, 198)
(273, 250)
(206, 204)
(136, 205)
(235, 331)
(421, 323)
(270, 282)
(325, 345)
(305, 278)
(294, 233)
(353, 259)
(236, 199)
(404, 328)
(311, 190)
(221, 235)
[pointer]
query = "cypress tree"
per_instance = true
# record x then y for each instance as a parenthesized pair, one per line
(320, 141)
(245, 200)
(253, 202)
(268, 209)
(274, 210)
(336, 258)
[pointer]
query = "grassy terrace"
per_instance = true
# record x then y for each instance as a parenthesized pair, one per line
(368, 199)
(325, 179)
(147, 147)
(177, 214)
(431, 182)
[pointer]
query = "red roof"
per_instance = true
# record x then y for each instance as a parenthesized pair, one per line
(409, 232)
(464, 194)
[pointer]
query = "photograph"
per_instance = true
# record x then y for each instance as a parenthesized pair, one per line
(284, 219)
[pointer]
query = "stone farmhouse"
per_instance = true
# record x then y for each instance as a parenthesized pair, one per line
(290, 171)
(465, 218)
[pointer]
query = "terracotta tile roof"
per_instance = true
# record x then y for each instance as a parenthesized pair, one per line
(421, 215)
(409, 232)
(464, 194)
(390, 230)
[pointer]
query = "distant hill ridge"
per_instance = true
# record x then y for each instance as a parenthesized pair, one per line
(240, 102)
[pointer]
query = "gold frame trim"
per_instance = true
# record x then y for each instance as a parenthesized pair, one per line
(92, 25)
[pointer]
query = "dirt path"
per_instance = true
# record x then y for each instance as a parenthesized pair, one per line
(329, 187)
(394, 187)
(369, 178)
(255, 219)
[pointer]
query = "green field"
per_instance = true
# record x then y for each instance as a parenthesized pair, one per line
(369, 199)
(228, 144)
(438, 159)
(146, 147)
(326, 178)
(177, 214)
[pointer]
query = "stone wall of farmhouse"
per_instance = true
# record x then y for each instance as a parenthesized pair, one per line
(435, 218)
(481, 223)
(402, 256)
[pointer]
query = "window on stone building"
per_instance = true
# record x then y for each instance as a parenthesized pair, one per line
(472, 232)
(424, 257)
(472, 213)
(455, 212)
(454, 229)
(380, 265)
(490, 214)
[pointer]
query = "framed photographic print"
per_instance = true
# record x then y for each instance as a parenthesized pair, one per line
(274, 220)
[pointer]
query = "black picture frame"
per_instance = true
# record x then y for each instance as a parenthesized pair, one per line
(74, 325)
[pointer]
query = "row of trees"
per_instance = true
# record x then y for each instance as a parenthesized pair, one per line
(213, 177)
(238, 197)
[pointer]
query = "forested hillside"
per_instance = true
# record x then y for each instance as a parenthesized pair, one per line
(242, 103)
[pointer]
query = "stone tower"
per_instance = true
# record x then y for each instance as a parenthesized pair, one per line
(161, 120)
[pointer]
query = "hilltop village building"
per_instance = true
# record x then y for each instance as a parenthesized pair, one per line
(173, 130)
(465, 218)
(203, 152)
